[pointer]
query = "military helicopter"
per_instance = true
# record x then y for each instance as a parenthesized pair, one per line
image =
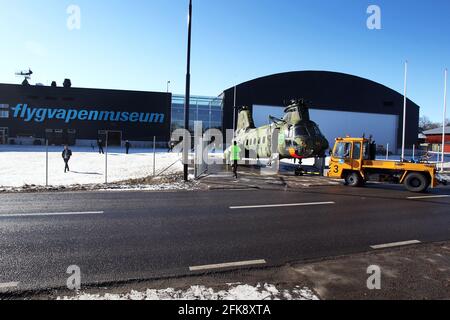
(294, 136)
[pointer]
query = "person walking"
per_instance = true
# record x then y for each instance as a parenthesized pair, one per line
(127, 146)
(66, 155)
(100, 146)
(235, 157)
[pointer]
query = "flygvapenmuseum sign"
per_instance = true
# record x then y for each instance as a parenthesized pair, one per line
(34, 111)
(37, 114)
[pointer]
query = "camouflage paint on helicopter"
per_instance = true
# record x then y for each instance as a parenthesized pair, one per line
(296, 136)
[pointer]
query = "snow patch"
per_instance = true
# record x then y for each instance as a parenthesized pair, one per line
(25, 166)
(234, 292)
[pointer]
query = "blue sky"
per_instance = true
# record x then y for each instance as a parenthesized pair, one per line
(141, 44)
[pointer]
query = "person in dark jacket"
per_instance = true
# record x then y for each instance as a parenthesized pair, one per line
(100, 146)
(66, 155)
(127, 146)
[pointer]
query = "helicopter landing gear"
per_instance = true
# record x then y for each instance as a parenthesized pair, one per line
(299, 171)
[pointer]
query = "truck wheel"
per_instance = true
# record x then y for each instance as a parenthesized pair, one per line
(353, 179)
(416, 182)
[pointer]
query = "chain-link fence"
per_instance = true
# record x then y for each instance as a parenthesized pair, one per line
(45, 165)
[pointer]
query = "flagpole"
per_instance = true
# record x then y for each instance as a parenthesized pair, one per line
(404, 112)
(444, 118)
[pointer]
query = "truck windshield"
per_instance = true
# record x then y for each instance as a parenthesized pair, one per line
(342, 150)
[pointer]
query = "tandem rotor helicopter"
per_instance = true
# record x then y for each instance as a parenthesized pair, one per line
(294, 136)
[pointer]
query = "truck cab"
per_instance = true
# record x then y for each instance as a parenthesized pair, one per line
(354, 160)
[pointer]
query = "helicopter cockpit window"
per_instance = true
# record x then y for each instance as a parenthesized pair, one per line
(301, 131)
(315, 129)
(290, 132)
(342, 150)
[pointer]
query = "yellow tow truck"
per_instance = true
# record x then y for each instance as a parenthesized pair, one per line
(353, 159)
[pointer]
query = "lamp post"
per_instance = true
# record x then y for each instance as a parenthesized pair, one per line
(168, 83)
(187, 99)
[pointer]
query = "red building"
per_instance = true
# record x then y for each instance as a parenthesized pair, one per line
(434, 138)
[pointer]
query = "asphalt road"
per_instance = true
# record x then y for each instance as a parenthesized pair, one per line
(119, 236)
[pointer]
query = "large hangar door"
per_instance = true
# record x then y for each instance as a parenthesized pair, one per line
(334, 124)
(383, 127)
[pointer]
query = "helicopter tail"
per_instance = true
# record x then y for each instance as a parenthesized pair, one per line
(245, 119)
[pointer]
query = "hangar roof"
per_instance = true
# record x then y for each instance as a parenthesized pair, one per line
(325, 89)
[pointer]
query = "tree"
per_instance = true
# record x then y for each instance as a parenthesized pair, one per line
(426, 124)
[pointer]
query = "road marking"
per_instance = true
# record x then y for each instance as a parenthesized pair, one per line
(429, 197)
(228, 265)
(17, 215)
(9, 285)
(284, 205)
(395, 244)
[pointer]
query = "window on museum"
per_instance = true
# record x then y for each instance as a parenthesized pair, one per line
(4, 111)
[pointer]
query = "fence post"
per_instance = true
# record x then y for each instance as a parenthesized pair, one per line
(438, 154)
(46, 162)
(106, 158)
(154, 156)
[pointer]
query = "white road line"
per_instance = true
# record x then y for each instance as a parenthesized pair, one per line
(48, 214)
(9, 285)
(429, 197)
(228, 265)
(395, 244)
(284, 205)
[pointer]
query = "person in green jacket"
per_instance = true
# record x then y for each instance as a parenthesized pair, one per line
(235, 157)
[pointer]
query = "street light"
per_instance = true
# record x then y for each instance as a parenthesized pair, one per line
(168, 83)
(187, 99)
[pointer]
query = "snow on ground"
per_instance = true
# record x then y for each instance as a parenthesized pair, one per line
(26, 165)
(234, 292)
